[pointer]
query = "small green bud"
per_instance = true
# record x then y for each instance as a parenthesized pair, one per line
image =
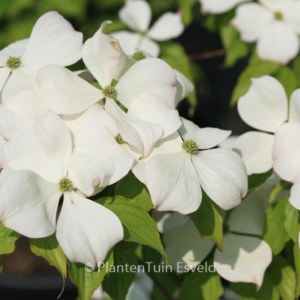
(13, 62)
(109, 91)
(65, 185)
(278, 16)
(190, 147)
(119, 139)
(138, 56)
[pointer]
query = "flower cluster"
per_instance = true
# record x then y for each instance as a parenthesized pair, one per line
(64, 140)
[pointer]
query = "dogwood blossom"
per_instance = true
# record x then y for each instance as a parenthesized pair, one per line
(245, 256)
(53, 41)
(174, 179)
(48, 165)
(66, 93)
(264, 107)
(274, 25)
(136, 14)
(218, 6)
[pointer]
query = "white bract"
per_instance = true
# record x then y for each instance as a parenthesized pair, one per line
(136, 14)
(245, 255)
(49, 164)
(218, 6)
(264, 107)
(274, 24)
(175, 178)
(53, 41)
(66, 93)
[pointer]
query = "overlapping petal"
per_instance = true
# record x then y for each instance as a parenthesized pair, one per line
(15, 49)
(295, 193)
(53, 40)
(244, 259)
(65, 92)
(28, 204)
(265, 106)
(222, 176)
(95, 230)
(129, 41)
(286, 152)
(44, 148)
(172, 183)
(184, 87)
(295, 107)
(168, 26)
(218, 6)
(256, 150)
(2, 160)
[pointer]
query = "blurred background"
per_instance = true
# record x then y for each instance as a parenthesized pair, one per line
(198, 53)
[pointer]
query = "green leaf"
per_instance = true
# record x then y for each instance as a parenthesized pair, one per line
(296, 66)
(208, 220)
(87, 280)
(280, 186)
(186, 7)
(118, 281)
(256, 180)
(274, 231)
(138, 225)
(235, 48)
(297, 266)
(283, 277)
(49, 249)
(255, 70)
(131, 188)
(175, 56)
(8, 239)
(215, 22)
(201, 285)
(288, 79)
(248, 291)
(291, 222)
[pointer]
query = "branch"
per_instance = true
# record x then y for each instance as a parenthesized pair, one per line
(207, 55)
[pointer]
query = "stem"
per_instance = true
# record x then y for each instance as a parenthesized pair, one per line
(156, 281)
(207, 55)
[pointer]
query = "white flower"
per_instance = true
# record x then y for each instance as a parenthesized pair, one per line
(49, 166)
(66, 93)
(264, 107)
(2, 160)
(218, 6)
(174, 179)
(274, 24)
(136, 14)
(53, 41)
(245, 256)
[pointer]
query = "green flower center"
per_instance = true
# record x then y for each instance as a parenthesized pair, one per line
(278, 15)
(65, 185)
(109, 91)
(119, 139)
(138, 56)
(13, 62)
(190, 147)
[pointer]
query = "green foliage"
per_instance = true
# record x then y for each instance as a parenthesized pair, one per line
(201, 285)
(255, 70)
(117, 283)
(215, 22)
(256, 180)
(291, 221)
(280, 186)
(138, 225)
(88, 280)
(187, 10)
(131, 188)
(283, 277)
(275, 233)
(208, 220)
(49, 249)
(235, 48)
(175, 56)
(8, 239)
(296, 252)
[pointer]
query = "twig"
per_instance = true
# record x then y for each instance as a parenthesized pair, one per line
(207, 55)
